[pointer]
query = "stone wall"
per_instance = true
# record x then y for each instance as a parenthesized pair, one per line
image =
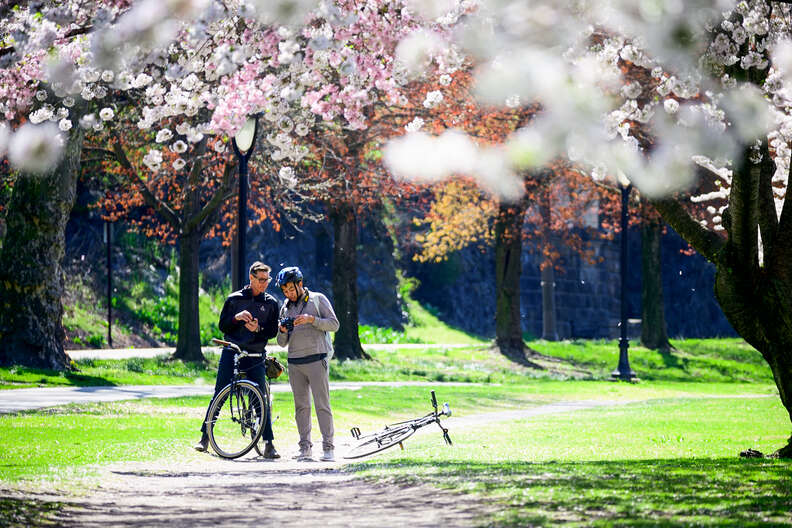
(462, 291)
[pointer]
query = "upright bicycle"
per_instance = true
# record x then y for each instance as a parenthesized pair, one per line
(396, 433)
(238, 413)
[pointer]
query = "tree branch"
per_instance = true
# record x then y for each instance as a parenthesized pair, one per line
(207, 215)
(155, 203)
(706, 242)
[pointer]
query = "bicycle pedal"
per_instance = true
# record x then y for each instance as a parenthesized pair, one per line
(355, 432)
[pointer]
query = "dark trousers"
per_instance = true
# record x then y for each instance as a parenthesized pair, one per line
(254, 371)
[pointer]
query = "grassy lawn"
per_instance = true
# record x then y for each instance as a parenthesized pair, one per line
(665, 462)
(668, 458)
(711, 360)
(662, 452)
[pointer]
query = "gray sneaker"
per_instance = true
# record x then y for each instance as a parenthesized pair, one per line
(304, 454)
(328, 456)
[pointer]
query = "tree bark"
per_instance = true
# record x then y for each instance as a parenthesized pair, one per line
(508, 268)
(654, 332)
(188, 344)
(345, 293)
(756, 300)
(549, 321)
(31, 268)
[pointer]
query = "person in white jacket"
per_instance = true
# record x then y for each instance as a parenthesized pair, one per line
(306, 318)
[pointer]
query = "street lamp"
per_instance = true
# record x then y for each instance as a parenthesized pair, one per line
(623, 371)
(243, 143)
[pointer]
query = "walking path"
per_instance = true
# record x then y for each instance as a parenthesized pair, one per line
(15, 400)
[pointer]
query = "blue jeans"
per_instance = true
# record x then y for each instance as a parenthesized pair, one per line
(255, 372)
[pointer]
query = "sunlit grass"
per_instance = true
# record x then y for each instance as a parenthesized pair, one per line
(711, 360)
(657, 463)
(49, 443)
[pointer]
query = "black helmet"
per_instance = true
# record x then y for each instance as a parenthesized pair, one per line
(288, 274)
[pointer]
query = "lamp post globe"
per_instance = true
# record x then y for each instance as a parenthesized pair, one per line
(243, 142)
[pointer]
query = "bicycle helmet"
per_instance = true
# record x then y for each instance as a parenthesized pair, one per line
(287, 275)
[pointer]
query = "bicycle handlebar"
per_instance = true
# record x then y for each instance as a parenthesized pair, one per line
(233, 346)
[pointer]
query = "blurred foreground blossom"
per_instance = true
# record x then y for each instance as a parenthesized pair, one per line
(420, 157)
(36, 149)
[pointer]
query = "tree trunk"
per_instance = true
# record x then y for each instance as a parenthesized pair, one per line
(508, 267)
(549, 321)
(756, 300)
(188, 344)
(31, 268)
(345, 293)
(654, 332)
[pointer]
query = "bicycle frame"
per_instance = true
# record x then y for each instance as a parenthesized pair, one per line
(396, 433)
(242, 412)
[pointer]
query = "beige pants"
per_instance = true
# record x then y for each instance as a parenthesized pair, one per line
(304, 380)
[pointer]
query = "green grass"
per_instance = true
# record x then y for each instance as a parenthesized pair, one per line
(669, 458)
(70, 438)
(705, 361)
(656, 463)
(111, 372)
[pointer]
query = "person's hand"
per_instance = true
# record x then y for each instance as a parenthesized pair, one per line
(283, 329)
(244, 316)
(304, 319)
(253, 325)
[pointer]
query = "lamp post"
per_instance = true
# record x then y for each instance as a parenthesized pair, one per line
(243, 143)
(623, 371)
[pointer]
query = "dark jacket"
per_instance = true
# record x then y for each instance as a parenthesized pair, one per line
(263, 307)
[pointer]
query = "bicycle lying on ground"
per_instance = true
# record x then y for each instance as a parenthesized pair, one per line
(397, 433)
(237, 414)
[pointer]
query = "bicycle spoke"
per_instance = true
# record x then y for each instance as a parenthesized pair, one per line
(238, 418)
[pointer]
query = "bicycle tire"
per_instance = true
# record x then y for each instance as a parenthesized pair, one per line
(380, 441)
(236, 419)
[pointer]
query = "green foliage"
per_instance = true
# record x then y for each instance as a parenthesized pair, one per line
(161, 313)
(378, 334)
(425, 327)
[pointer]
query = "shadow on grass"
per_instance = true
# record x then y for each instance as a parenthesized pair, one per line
(675, 492)
(19, 512)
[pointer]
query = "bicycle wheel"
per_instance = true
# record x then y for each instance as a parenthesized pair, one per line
(375, 443)
(236, 419)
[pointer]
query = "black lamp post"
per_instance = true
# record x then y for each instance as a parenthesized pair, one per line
(623, 371)
(243, 143)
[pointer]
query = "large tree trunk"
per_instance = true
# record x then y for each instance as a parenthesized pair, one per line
(31, 269)
(188, 344)
(508, 267)
(654, 332)
(345, 293)
(757, 300)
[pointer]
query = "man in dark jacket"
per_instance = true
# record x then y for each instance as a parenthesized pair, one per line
(249, 318)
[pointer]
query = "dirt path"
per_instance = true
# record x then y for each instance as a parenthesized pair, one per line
(254, 492)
